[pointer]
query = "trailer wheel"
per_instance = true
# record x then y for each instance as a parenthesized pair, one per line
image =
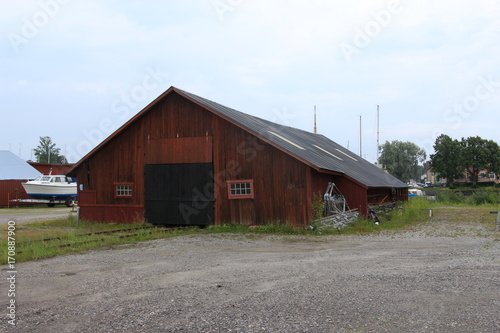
(51, 204)
(70, 202)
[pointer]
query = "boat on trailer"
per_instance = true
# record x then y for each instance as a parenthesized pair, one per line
(53, 188)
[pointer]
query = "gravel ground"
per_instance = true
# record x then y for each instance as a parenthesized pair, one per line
(435, 277)
(33, 214)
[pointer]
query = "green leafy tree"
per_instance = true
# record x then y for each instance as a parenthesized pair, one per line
(46, 152)
(494, 153)
(401, 159)
(447, 160)
(479, 154)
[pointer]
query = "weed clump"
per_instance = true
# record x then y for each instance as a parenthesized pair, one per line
(487, 197)
(475, 198)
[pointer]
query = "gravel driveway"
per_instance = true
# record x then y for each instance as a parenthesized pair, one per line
(435, 277)
(33, 214)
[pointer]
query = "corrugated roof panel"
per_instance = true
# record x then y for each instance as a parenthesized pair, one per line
(316, 149)
(14, 167)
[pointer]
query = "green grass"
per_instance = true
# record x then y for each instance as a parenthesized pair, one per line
(63, 236)
(480, 196)
(415, 211)
(66, 236)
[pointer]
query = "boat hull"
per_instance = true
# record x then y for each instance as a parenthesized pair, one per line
(42, 191)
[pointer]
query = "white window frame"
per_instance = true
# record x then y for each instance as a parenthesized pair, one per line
(240, 189)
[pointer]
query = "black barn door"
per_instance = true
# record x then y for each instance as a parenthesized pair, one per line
(179, 194)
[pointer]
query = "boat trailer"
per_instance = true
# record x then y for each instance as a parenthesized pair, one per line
(69, 202)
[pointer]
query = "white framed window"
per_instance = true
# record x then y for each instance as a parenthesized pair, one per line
(124, 190)
(240, 189)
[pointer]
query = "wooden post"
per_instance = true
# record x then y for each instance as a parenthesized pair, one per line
(429, 209)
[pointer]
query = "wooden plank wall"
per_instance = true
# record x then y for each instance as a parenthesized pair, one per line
(113, 213)
(279, 180)
(355, 194)
(178, 150)
(12, 189)
(177, 130)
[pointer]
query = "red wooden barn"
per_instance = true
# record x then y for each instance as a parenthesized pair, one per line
(185, 160)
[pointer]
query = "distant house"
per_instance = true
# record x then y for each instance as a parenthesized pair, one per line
(484, 176)
(13, 172)
(186, 160)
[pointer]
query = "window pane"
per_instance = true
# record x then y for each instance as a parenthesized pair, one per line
(123, 190)
(240, 189)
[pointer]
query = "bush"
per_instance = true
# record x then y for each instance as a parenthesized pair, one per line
(485, 197)
(412, 211)
(470, 185)
(450, 197)
(486, 184)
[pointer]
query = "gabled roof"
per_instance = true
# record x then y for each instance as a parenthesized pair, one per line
(315, 150)
(14, 167)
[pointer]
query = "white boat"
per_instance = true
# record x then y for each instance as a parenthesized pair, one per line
(52, 187)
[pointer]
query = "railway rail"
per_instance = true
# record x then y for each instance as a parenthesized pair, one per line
(127, 233)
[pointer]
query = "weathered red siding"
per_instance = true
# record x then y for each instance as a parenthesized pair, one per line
(57, 169)
(113, 213)
(354, 193)
(12, 189)
(179, 131)
(176, 130)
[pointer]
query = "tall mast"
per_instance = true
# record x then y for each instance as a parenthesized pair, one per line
(378, 132)
(315, 128)
(360, 138)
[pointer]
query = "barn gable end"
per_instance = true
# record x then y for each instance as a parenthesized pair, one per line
(186, 160)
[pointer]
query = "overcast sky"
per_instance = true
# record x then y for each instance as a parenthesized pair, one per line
(77, 70)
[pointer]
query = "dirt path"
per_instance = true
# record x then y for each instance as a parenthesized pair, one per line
(440, 276)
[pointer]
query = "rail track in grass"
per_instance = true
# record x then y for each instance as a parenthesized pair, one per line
(83, 238)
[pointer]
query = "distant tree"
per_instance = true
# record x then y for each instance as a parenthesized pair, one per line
(447, 160)
(401, 159)
(494, 153)
(479, 154)
(46, 152)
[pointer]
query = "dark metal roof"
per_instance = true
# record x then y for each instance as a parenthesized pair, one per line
(315, 149)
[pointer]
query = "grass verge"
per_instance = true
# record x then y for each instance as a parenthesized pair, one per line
(63, 236)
